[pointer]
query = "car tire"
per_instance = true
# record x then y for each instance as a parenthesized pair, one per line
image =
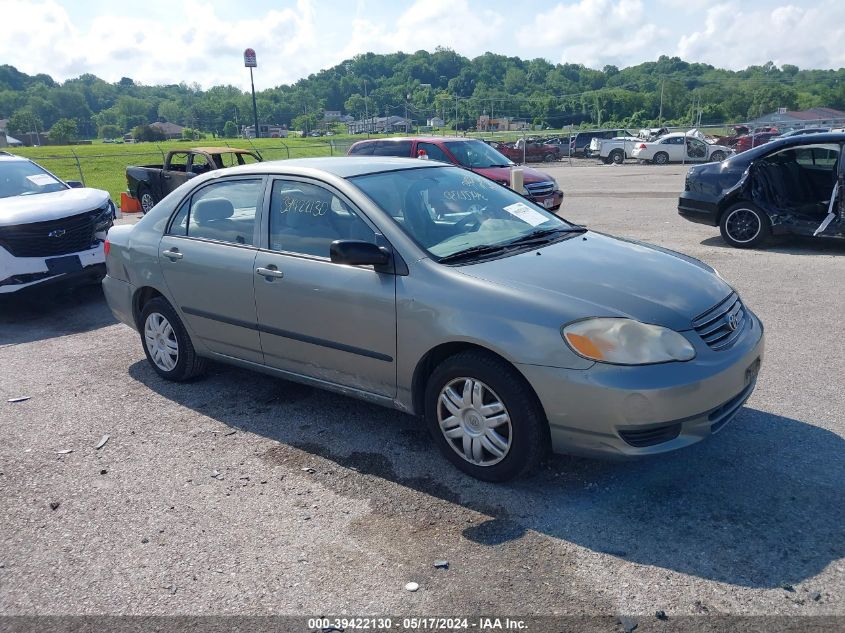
(617, 156)
(548, 158)
(717, 157)
(660, 158)
(166, 343)
(744, 225)
(497, 432)
(146, 199)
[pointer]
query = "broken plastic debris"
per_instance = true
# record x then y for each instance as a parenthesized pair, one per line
(54, 505)
(412, 586)
(65, 451)
(103, 441)
(308, 469)
(18, 399)
(441, 564)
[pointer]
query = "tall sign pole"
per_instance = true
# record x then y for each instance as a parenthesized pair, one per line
(250, 62)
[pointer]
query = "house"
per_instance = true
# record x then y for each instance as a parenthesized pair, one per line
(170, 130)
(435, 121)
(266, 130)
(502, 124)
(332, 116)
(379, 125)
(786, 120)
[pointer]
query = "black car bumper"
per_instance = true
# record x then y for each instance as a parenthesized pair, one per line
(696, 208)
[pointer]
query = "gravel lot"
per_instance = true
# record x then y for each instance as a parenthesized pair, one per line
(242, 493)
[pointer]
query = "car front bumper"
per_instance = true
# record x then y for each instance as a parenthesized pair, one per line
(624, 411)
(550, 201)
(19, 273)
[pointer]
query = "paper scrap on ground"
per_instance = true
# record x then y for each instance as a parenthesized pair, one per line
(526, 214)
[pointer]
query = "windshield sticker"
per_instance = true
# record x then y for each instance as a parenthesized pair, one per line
(299, 205)
(526, 214)
(463, 195)
(41, 179)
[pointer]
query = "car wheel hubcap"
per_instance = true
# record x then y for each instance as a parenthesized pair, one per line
(147, 202)
(742, 225)
(474, 421)
(161, 342)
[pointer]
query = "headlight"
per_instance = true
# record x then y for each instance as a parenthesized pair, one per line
(557, 187)
(626, 342)
(105, 218)
(525, 191)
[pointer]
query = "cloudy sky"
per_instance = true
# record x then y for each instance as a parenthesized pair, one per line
(162, 41)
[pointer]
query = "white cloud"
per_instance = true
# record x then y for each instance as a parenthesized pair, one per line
(427, 24)
(807, 36)
(596, 32)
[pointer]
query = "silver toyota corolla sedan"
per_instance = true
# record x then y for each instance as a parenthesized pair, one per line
(430, 289)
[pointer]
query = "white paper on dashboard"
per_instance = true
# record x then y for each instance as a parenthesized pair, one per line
(526, 214)
(41, 179)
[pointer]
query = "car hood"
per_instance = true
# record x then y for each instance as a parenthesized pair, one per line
(503, 174)
(598, 275)
(43, 207)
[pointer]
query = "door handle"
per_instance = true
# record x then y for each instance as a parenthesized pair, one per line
(172, 254)
(270, 273)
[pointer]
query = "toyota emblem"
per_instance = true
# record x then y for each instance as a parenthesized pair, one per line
(732, 322)
(57, 233)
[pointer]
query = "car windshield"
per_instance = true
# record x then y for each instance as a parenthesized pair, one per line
(23, 178)
(449, 211)
(477, 154)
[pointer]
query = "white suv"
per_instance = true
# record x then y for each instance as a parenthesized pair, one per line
(50, 230)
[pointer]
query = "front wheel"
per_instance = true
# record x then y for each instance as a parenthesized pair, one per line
(661, 158)
(717, 157)
(548, 158)
(166, 343)
(484, 417)
(744, 225)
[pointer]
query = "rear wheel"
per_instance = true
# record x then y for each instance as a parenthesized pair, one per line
(484, 417)
(166, 342)
(717, 157)
(660, 158)
(617, 156)
(548, 158)
(744, 225)
(146, 199)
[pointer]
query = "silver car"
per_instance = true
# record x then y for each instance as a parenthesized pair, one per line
(430, 289)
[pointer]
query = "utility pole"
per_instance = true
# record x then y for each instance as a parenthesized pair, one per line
(660, 116)
(366, 110)
(456, 115)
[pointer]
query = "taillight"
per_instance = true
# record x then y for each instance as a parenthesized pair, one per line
(106, 248)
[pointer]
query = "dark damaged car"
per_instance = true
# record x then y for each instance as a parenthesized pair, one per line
(790, 186)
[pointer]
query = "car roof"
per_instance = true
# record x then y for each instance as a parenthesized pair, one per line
(422, 139)
(788, 141)
(7, 157)
(340, 166)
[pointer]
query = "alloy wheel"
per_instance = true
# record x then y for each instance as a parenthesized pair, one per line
(147, 202)
(474, 421)
(742, 225)
(161, 341)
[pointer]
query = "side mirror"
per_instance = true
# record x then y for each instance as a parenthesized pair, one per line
(357, 253)
(74, 184)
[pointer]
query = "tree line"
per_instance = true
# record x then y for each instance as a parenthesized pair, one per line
(425, 84)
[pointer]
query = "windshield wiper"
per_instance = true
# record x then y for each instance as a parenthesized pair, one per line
(546, 235)
(481, 249)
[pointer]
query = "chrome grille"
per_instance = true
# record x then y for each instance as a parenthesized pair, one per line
(540, 189)
(722, 325)
(55, 237)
